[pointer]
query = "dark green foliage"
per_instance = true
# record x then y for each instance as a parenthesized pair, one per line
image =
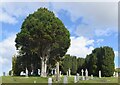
(80, 64)
(101, 59)
(66, 63)
(42, 31)
(108, 62)
(16, 68)
(74, 65)
(10, 72)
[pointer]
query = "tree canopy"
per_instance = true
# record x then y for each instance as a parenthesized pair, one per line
(101, 59)
(43, 34)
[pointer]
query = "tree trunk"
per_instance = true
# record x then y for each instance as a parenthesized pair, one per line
(45, 64)
(43, 67)
(57, 71)
(44, 58)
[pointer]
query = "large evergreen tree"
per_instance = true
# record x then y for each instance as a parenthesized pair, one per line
(101, 59)
(74, 65)
(41, 33)
(108, 66)
(80, 64)
(66, 63)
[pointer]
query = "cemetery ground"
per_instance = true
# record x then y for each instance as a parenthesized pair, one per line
(9, 79)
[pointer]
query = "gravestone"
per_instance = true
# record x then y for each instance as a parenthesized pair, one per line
(99, 74)
(83, 78)
(114, 74)
(52, 72)
(82, 72)
(11, 73)
(60, 74)
(86, 74)
(91, 76)
(38, 71)
(55, 71)
(32, 72)
(69, 72)
(49, 81)
(75, 79)
(3, 73)
(65, 80)
(22, 73)
(77, 76)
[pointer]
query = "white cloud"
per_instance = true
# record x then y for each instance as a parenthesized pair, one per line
(106, 32)
(99, 16)
(116, 53)
(80, 46)
(117, 63)
(7, 51)
(100, 40)
(6, 18)
(10, 12)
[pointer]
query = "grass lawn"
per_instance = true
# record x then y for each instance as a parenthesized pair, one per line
(9, 79)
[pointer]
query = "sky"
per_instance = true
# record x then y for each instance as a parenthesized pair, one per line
(91, 25)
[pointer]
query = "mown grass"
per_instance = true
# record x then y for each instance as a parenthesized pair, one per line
(9, 79)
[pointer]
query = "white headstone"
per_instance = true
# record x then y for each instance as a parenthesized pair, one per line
(114, 74)
(11, 73)
(32, 72)
(69, 71)
(60, 74)
(83, 78)
(99, 74)
(52, 72)
(38, 71)
(49, 81)
(82, 72)
(86, 74)
(75, 79)
(78, 76)
(65, 81)
(91, 76)
(22, 73)
(55, 72)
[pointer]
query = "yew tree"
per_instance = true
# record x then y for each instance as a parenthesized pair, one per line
(42, 33)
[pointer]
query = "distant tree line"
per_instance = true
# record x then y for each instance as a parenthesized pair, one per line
(100, 59)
